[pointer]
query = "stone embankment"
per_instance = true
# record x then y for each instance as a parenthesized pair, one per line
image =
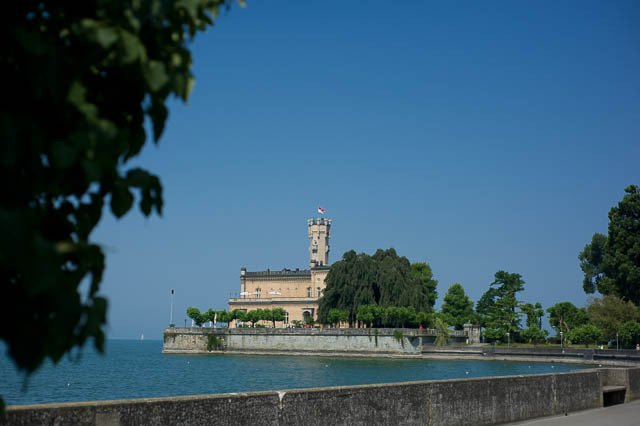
(373, 342)
(311, 340)
(485, 401)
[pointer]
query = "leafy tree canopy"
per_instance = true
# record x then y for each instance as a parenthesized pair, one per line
(502, 317)
(630, 334)
(423, 273)
(609, 313)
(534, 334)
(534, 314)
(611, 264)
(81, 79)
(585, 334)
(384, 279)
(484, 305)
(565, 316)
(457, 308)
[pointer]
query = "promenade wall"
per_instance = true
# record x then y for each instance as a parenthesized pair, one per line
(541, 353)
(312, 340)
(485, 401)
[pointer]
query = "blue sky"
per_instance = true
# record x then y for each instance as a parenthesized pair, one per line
(475, 136)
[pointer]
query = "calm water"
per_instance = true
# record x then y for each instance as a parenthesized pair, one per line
(137, 369)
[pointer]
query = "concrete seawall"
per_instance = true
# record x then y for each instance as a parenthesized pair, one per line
(484, 401)
(329, 340)
(412, 343)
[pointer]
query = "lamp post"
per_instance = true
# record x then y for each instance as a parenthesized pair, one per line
(171, 309)
(561, 342)
(508, 341)
(617, 346)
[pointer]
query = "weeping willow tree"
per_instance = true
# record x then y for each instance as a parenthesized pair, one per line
(384, 279)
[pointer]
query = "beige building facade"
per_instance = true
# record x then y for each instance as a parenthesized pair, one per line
(296, 291)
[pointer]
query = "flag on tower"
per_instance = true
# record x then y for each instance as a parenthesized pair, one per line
(321, 210)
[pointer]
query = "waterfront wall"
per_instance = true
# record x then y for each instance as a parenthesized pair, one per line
(485, 401)
(312, 340)
(540, 353)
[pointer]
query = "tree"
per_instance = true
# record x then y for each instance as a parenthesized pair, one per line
(384, 279)
(565, 316)
(210, 315)
(442, 329)
(534, 314)
(425, 319)
(196, 316)
(502, 317)
(424, 275)
(457, 307)
(534, 334)
(277, 314)
(611, 264)
(630, 334)
(586, 334)
(254, 316)
(591, 263)
(336, 316)
(238, 315)
(85, 77)
(484, 305)
(366, 315)
(609, 313)
(224, 317)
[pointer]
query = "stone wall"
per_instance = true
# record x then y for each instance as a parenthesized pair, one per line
(448, 402)
(315, 340)
(540, 353)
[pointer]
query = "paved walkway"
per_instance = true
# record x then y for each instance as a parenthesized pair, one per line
(618, 415)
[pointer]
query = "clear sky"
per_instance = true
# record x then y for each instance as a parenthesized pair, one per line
(475, 136)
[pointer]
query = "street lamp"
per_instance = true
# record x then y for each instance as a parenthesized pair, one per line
(171, 310)
(561, 342)
(508, 340)
(617, 346)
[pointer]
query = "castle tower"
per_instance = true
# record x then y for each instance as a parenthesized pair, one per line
(319, 233)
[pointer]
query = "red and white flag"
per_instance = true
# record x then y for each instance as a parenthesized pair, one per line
(321, 210)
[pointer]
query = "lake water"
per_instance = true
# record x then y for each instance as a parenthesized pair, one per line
(137, 369)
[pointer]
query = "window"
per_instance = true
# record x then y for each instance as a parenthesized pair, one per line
(286, 317)
(319, 292)
(258, 293)
(308, 291)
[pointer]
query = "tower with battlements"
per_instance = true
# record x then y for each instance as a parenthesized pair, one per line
(319, 233)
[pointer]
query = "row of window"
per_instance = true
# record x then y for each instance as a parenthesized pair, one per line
(309, 293)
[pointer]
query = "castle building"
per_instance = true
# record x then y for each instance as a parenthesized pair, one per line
(296, 291)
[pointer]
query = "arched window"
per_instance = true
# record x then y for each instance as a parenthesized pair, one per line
(319, 291)
(308, 291)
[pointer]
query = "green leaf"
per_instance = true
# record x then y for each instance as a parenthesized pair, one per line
(106, 36)
(121, 200)
(156, 75)
(132, 47)
(158, 113)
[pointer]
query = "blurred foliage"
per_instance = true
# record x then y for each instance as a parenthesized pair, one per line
(81, 79)
(611, 264)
